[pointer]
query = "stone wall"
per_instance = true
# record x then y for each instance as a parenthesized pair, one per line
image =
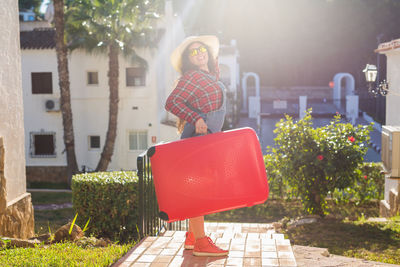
(49, 174)
(16, 217)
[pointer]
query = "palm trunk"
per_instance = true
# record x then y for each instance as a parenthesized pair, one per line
(113, 74)
(65, 101)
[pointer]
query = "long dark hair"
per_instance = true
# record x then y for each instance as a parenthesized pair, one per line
(187, 65)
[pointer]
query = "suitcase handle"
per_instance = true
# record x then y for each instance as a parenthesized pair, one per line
(197, 134)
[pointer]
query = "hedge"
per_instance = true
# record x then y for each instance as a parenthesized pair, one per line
(110, 201)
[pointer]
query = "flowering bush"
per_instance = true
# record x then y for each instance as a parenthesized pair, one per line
(370, 184)
(316, 161)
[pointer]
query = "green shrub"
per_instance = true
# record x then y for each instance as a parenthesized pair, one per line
(370, 184)
(316, 161)
(110, 200)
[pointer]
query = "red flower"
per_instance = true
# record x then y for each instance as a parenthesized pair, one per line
(320, 157)
(351, 139)
(365, 177)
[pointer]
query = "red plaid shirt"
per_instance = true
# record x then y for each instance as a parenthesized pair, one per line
(198, 89)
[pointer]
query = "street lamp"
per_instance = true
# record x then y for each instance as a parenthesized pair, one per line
(371, 72)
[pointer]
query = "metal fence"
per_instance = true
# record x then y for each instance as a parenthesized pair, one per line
(149, 221)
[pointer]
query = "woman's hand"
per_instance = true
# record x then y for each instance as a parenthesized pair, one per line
(201, 126)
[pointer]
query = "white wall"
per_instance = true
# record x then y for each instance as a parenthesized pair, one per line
(36, 117)
(393, 77)
(11, 104)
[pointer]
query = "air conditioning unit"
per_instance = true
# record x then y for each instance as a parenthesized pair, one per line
(390, 152)
(52, 105)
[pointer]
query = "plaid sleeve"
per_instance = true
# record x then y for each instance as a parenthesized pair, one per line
(184, 91)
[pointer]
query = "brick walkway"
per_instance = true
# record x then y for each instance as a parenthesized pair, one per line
(248, 244)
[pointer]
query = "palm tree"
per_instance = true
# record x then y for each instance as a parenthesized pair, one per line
(63, 74)
(112, 27)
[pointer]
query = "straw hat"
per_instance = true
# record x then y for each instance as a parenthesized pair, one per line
(210, 40)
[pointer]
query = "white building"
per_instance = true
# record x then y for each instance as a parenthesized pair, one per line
(391, 204)
(142, 120)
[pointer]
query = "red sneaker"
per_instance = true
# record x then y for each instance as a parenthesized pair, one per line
(190, 240)
(205, 247)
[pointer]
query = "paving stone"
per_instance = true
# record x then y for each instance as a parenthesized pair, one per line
(141, 264)
(259, 246)
(251, 262)
(150, 239)
(132, 257)
(234, 261)
(278, 236)
(237, 247)
(253, 236)
(168, 252)
(240, 235)
(241, 241)
(159, 264)
(139, 250)
(285, 242)
(269, 255)
(146, 244)
(268, 242)
(146, 258)
(216, 260)
(176, 262)
(269, 262)
(285, 255)
(236, 254)
(267, 248)
(169, 233)
(174, 245)
(161, 258)
(287, 262)
(252, 254)
(283, 248)
(153, 251)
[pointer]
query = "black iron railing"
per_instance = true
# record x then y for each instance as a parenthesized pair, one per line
(149, 221)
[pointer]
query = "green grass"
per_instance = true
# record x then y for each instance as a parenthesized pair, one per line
(42, 198)
(360, 239)
(53, 219)
(47, 185)
(63, 254)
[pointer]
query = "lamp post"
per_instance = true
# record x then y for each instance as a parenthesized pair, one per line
(371, 72)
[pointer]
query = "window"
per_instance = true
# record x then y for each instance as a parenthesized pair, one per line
(135, 77)
(92, 77)
(42, 83)
(138, 140)
(43, 144)
(94, 142)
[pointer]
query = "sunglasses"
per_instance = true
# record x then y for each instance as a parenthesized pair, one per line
(196, 51)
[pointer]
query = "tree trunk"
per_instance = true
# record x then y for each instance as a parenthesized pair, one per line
(65, 101)
(113, 73)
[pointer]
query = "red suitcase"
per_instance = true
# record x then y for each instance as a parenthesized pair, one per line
(208, 174)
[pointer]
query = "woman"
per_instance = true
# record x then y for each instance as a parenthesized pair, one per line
(198, 101)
